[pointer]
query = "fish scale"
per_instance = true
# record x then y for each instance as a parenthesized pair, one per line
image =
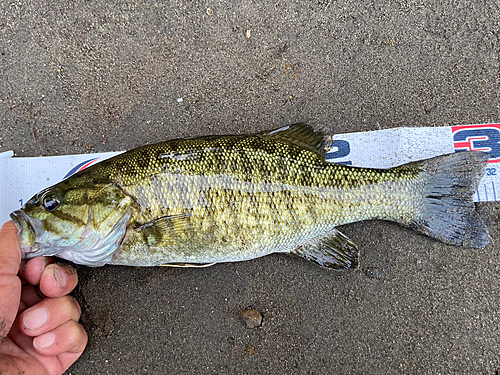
(283, 218)
(206, 200)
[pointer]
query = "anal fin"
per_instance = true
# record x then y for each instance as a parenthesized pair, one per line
(332, 251)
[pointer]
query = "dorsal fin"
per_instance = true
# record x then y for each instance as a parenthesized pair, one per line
(302, 135)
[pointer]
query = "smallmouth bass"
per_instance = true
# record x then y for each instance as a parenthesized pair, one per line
(201, 201)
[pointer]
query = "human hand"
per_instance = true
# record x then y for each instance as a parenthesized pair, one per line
(39, 330)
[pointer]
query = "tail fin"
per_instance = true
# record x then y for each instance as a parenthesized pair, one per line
(448, 211)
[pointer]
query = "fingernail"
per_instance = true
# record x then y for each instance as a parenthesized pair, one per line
(35, 318)
(44, 341)
(60, 278)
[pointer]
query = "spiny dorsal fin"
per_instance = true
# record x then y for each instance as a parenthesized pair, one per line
(302, 135)
(331, 251)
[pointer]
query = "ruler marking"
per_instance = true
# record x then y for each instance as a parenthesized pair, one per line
(494, 192)
(478, 197)
(485, 192)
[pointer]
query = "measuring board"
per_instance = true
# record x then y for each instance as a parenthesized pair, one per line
(24, 177)
(392, 147)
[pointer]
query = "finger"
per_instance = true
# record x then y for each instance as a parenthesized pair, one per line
(53, 365)
(68, 337)
(10, 284)
(30, 295)
(67, 358)
(32, 270)
(58, 280)
(10, 295)
(48, 314)
(10, 253)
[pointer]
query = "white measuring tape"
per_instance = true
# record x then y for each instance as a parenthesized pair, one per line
(392, 147)
(24, 177)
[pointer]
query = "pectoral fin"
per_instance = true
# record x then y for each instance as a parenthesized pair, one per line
(165, 229)
(333, 251)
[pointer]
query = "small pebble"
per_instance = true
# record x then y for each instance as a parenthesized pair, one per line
(374, 273)
(251, 317)
(210, 12)
(251, 350)
(248, 33)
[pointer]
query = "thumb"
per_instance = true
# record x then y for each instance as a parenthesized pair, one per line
(10, 284)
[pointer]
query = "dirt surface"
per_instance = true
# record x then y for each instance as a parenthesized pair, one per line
(89, 76)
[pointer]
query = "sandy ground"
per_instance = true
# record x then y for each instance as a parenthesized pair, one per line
(88, 76)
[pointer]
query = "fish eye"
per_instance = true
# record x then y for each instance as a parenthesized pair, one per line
(51, 202)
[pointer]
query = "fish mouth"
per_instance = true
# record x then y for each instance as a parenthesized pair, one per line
(15, 218)
(26, 234)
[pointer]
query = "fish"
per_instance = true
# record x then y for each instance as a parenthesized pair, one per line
(196, 202)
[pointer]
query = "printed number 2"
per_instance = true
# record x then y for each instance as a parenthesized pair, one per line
(491, 171)
(343, 149)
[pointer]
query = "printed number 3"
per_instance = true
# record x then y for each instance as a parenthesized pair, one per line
(492, 142)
